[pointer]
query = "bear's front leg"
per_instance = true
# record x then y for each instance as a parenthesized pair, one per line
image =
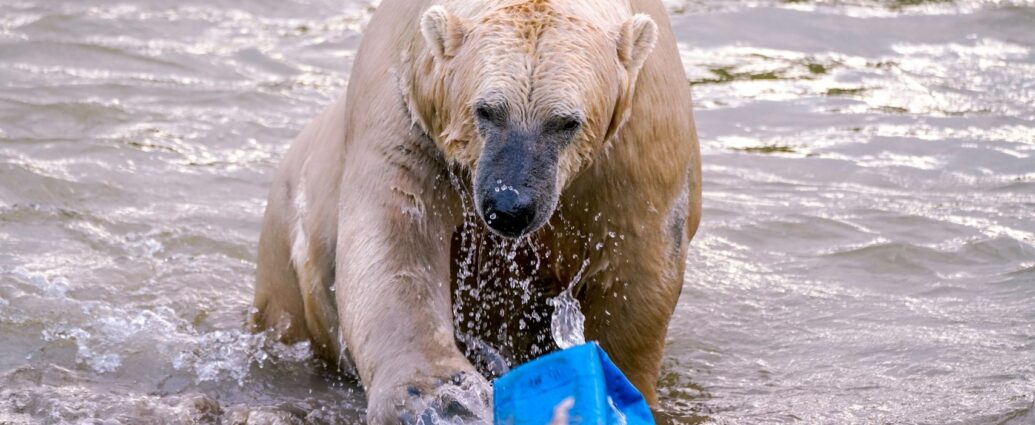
(392, 292)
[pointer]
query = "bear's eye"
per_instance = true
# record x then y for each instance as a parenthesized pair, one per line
(488, 114)
(565, 124)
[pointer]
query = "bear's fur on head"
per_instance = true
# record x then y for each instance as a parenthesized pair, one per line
(530, 83)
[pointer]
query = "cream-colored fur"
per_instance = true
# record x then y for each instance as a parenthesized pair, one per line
(355, 251)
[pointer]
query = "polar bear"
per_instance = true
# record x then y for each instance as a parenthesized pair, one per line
(486, 156)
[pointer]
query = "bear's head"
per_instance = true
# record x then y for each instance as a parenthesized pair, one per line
(527, 95)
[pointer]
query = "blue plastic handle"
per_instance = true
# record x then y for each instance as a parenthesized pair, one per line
(602, 395)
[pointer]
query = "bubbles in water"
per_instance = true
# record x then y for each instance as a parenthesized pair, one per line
(144, 244)
(106, 338)
(100, 362)
(54, 288)
(221, 354)
(100, 343)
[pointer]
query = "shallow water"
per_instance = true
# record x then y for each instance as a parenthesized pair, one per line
(867, 253)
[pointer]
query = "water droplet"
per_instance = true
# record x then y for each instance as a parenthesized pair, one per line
(567, 323)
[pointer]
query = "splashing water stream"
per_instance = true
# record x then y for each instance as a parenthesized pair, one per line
(567, 323)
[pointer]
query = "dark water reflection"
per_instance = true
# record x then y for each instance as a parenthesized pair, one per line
(867, 253)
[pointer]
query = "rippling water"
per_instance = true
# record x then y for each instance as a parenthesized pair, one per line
(867, 253)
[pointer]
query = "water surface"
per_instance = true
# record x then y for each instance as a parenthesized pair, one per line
(867, 253)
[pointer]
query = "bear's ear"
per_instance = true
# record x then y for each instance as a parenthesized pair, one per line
(636, 39)
(443, 32)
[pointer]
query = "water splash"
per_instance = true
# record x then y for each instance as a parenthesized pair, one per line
(469, 403)
(55, 287)
(567, 323)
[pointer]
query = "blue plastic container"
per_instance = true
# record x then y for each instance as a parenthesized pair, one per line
(602, 395)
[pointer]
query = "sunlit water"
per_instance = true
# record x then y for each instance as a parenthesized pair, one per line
(867, 253)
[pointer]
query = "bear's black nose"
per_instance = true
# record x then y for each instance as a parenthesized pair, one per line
(508, 211)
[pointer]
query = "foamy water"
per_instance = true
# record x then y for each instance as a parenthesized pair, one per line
(867, 253)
